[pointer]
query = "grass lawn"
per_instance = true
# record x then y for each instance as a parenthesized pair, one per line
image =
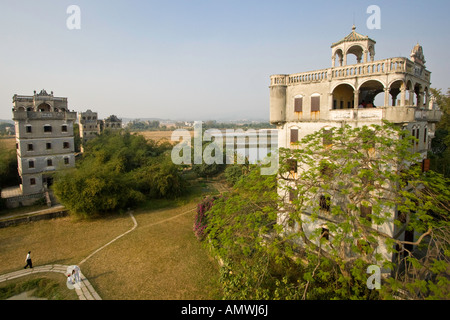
(160, 259)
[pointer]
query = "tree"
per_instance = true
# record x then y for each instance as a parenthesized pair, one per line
(118, 171)
(440, 145)
(345, 198)
(335, 217)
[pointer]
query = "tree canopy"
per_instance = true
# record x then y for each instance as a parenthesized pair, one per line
(357, 191)
(118, 171)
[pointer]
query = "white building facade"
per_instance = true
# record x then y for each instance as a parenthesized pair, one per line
(364, 93)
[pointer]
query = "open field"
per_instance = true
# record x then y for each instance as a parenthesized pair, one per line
(160, 259)
(159, 135)
(8, 143)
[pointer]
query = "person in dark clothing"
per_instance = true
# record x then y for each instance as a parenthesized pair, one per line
(28, 260)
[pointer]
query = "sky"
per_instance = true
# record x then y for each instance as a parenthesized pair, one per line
(196, 59)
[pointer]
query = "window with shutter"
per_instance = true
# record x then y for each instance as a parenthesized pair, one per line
(294, 135)
(315, 103)
(298, 104)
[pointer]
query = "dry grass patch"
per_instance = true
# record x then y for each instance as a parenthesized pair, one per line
(57, 241)
(159, 135)
(160, 259)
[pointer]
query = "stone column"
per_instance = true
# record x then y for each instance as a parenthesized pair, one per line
(356, 98)
(386, 97)
(403, 95)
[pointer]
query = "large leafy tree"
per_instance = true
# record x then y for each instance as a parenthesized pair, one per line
(440, 145)
(118, 171)
(334, 217)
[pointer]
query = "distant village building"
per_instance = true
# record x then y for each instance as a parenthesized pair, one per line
(44, 139)
(112, 123)
(88, 124)
(91, 126)
(303, 103)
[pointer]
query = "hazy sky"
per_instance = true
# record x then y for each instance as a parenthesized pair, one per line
(196, 59)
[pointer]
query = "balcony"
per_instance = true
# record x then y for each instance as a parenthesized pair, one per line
(32, 115)
(391, 114)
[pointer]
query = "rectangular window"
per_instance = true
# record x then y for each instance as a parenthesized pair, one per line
(64, 128)
(66, 145)
(32, 181)
(315, 103)
(425, 165)
(30, 164)
(48, 146)
(47, 128)
(425, 135)
(294, 135)
(28, 129)
(66, 160)
(292, 195)
(292, 165)
(327, 138)
(413, 134)
(366, 212)
(324, 202)
(30, 147)
(49, 162)
(298, 104)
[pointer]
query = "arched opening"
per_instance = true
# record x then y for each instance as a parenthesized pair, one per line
(354, 55)
(371, 94)
(339, 58)
(343, 97)
(426, 97)
(418, 95)
(44, 107)
(409, 94)
(394, 91)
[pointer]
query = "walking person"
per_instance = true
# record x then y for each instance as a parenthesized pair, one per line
(28, 261)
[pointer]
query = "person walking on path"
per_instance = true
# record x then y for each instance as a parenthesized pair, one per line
(28, 260)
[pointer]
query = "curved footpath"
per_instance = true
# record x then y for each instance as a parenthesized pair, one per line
(85, 292)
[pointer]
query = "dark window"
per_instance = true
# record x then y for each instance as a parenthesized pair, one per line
(47, 128)
(366, 212)
(292, 165)
(32, 181)
(31, 164)
(298, 105)
(49, 162)
(64, 128)
(66, 160)
(66, 145)
(425, 135)
(325, 233)
(48, 145)
(30, 147)
(17, 146)
(315, 103)
(294, 135)
(28, 129)
(324, 202)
